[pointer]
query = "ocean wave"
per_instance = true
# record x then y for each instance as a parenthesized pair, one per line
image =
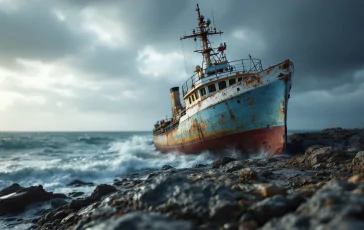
(121, 157)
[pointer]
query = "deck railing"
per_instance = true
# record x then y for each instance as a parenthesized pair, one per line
(243, 65)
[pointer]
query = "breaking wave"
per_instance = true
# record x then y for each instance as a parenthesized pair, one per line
(127, 156)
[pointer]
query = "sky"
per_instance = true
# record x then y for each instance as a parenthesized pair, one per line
(72, 65)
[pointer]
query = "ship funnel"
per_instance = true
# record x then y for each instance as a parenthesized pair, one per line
(176, 102)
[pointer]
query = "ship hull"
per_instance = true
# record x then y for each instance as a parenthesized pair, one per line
(269, 140)
(250, 117)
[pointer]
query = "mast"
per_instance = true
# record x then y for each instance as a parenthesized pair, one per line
(203, 31)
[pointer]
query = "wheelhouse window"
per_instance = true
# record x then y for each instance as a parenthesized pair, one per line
(196, 95)
(211, 88)
(190, 100)
(193, 98)
(240, 79)
(203, 92)
(222, 85)
(232, 81)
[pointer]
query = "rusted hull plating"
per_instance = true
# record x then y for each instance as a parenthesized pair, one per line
(254, 141)
(249, 116)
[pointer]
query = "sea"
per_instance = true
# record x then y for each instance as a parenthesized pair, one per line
(54, 159)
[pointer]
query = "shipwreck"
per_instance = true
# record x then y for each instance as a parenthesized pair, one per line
(227, 104)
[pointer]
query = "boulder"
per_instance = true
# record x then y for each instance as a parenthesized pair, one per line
(222, 161)
(247, 174)
(79, 183)
(17, 201)
(102, 190)
(232, 166)
(8, 190)
(143, 220)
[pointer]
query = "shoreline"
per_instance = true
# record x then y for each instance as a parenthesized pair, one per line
(321, 184)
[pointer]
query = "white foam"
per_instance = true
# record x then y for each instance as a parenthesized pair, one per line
(122, 157)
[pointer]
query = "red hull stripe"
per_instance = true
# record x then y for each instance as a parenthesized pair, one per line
(271, 140)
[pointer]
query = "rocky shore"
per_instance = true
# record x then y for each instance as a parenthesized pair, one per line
(319, 185)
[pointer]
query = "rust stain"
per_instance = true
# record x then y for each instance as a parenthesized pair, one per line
(251, 102)
(231, 114)
(203, 126)
(282, 110)
(285, 65)
(221, 121)
(253, 80)
(285, 78)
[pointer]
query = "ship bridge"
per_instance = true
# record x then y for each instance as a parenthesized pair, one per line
(222, 71)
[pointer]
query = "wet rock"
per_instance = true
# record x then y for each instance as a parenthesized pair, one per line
(152, 175)
(79, 183)
(60, 215)
(225, 211)
(222, 161)
(319, 166)
(166, 167)
(247, 174)
(101, 190)
(318, 154)
(8, 190)
(332, 206)
(58, 202)
(143, 220)
(17, 201)
(177, 194)
(271, 190)
(356, 178)
(75, 194)
(200, 166)
(232, 166)
(357, 164)
(275, 206)
(80, 203)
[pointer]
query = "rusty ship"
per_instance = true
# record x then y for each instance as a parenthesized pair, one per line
(227, 105)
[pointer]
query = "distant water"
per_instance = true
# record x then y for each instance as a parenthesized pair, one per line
(55, 159)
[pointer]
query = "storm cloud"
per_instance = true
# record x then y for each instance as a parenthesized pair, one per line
(109, 65)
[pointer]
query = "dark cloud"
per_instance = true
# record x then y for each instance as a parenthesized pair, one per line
(34, 32)
(323, 38)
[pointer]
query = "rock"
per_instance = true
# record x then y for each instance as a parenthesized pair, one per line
(318, 166)
(80, 203)
(356, 178)
(360, 156)
(151, 175)
(272, 190)
(11, 189)
(118, 183)
(166, 167)
(318, 154)
(232, 166)
(357, 164)
(200, 166)
(275, 206)
(60, 215)
(17, 201)
(177, 194)
(332, 207)
(143, 220)
(222, 161)
(58, 202)
(247, 174)
(225, 211)
(75, 194)
(101, 190)
(79, 183)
